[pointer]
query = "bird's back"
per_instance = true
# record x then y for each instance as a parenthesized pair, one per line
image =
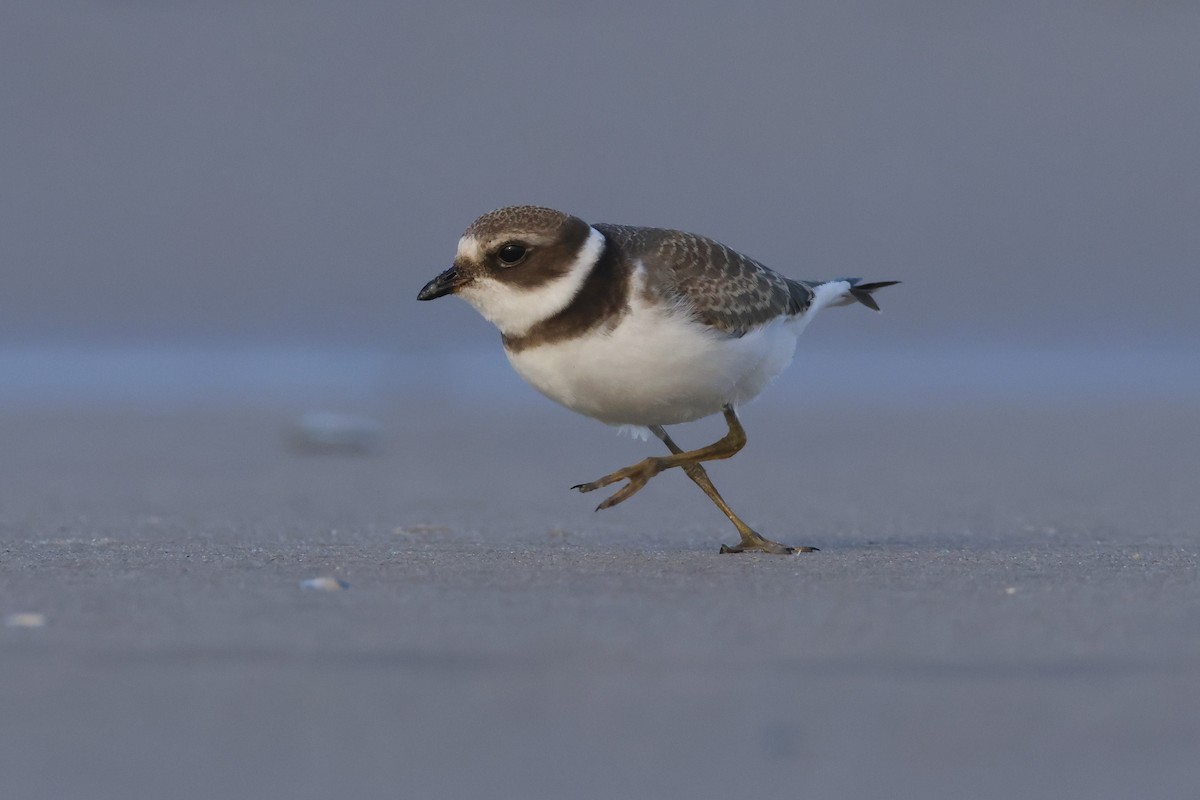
(721, 287)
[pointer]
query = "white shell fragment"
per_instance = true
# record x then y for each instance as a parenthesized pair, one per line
(24, 620)
(324, 584)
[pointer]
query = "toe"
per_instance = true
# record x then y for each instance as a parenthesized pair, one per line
(626, 491)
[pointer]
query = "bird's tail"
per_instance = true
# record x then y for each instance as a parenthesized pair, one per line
(862, 291)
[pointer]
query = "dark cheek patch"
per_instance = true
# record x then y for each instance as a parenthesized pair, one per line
(603, 298)
(545, 262)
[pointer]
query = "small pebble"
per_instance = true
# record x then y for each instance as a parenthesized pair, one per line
(324, 584)
(26, 620)
(422, 529)
(327, 433)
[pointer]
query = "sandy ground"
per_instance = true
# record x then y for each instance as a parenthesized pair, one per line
(1005, 605)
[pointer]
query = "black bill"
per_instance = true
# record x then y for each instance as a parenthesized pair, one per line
(442, 285)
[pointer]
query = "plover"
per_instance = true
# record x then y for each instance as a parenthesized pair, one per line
(640, 327)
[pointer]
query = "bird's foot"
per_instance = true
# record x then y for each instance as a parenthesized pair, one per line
(637, 475)
(752, 542)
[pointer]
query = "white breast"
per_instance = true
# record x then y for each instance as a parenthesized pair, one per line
(660, 367)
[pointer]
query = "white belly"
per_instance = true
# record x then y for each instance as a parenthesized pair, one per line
(658, 368)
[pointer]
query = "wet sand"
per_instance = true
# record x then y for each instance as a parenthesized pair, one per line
(1005, 604)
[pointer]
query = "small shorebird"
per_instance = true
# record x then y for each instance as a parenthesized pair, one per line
(640, 327)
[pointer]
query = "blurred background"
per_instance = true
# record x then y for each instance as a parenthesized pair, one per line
(214, 221)
(241, 200)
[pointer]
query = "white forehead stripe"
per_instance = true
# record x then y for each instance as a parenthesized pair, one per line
(515, 309)
(469, 249)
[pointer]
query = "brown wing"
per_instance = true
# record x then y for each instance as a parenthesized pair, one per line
(722, 287)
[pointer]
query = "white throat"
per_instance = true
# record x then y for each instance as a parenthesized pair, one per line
(516, 309)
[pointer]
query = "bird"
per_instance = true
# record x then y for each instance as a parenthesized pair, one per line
(641, 328)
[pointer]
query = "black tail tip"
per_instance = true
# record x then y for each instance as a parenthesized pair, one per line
(862, 292)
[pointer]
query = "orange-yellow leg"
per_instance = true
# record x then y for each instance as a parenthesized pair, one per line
(640, 473)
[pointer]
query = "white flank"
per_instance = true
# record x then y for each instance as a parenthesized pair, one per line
(659, 366)
(515, 309)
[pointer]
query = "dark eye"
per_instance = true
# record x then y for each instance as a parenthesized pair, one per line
(511, 254)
